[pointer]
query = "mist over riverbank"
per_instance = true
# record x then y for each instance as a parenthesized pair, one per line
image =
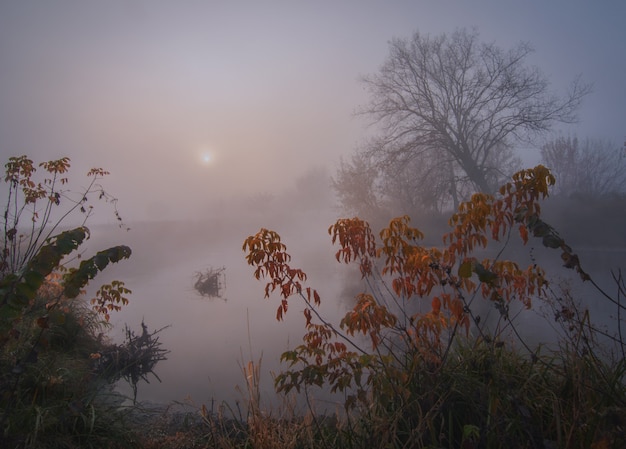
(211, 338)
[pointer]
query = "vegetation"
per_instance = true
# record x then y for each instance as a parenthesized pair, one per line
(434, 353)
(57, 368)
(210, 283)
(450, 109)
(591, 168)
(429, 370)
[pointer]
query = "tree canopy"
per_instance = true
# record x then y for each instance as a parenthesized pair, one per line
(450, 108)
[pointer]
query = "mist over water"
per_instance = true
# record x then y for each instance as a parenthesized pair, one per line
(210, 339)
(216, 119)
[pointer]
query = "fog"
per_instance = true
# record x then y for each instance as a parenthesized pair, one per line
(217, 118)
(145, 88)
(211, 338)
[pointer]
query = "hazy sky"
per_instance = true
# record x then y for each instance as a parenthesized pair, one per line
(265, 88)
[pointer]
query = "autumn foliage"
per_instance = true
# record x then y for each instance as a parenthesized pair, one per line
(420, 300)
(51, 340)
(35, 249)
(446, 278)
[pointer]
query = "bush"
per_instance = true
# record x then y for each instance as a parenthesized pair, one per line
(55, 389)
(418, 364)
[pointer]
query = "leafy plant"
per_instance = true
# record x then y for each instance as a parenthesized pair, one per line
(49, 336)
(413, 356)
(31, 253)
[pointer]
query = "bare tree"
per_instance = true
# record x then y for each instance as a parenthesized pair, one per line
(591, 167)
(357, 184)
(455, 106)
(422, 183)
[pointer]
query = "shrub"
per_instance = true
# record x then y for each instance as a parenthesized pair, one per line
(417, 364)
(54, 388)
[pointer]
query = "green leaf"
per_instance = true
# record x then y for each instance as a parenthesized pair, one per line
(552, 241)
(541, 229)
(68, 241)
(101, 261)
(465, 269)
(26, 291)
(484, 275)
(50, 255)
(34, 278)
(118, 253)
(76, 279)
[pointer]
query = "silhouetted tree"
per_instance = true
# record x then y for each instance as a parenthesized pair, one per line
(591, 167)
(357, 184)
(452, 107)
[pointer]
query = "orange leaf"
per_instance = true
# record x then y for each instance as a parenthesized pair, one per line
(436, 305)
(523, 232)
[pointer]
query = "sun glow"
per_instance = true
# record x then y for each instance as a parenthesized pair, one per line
(206, 157)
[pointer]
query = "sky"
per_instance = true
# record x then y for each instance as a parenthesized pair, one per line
(189, 102)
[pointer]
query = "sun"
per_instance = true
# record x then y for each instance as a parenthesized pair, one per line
(206, 157)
